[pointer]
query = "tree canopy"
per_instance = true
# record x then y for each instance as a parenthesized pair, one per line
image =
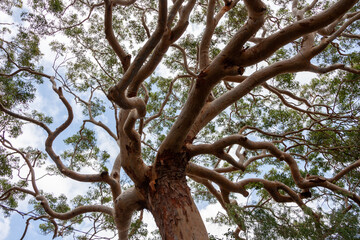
(254, 105)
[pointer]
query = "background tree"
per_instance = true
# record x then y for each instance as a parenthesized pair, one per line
(203, 102)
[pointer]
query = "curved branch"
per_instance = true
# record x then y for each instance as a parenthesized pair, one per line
(344, 171)
(25, 69)
(210, 187)
(143, 22)
(75, 212)
(245, 164)
(130, 150)
(92, 7)
(52, 136)
(217, 149)
(124, 2)
(288, 34)
(110, 36)
(337, 189)
(338, 66)
(256, 18)
(125, 205)
(347, 35)
(28, 119)
(325, 41)
(223, 182)
(103, 126)
(165, 100)
(7, 193)
(288, 104)
(288, 93)
(129, 127)
(296, 63)
(185, 60)
(160, 50)
(37, 218)
(117, 92)
(27, 161)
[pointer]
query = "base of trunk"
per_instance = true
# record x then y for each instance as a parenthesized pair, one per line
(173, 208)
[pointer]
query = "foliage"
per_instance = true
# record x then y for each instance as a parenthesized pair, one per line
(314, 118)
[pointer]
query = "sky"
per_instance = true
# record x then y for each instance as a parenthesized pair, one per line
(12, 228)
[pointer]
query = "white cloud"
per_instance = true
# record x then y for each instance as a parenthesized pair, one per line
(59, 185)
(305, 77)
(32, 136)
(150, 221)
(47, 101)
(210, 211)
(4, 228)
(106, 142)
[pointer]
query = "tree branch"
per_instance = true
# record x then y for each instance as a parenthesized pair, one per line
(269, 45)
(125, 205)
(28, 119)
(344, 171)
(110, 36)
(75, 212)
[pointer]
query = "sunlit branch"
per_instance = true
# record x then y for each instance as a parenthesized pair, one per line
(125, 205)
(206, 37)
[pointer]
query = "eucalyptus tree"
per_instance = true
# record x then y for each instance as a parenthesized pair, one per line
(205, 103)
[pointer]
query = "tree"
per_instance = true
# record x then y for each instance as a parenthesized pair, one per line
(209, 114)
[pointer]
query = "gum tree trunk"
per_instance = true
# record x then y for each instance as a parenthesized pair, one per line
(170, 201)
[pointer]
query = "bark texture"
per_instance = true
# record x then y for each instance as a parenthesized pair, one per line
(170, 201)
